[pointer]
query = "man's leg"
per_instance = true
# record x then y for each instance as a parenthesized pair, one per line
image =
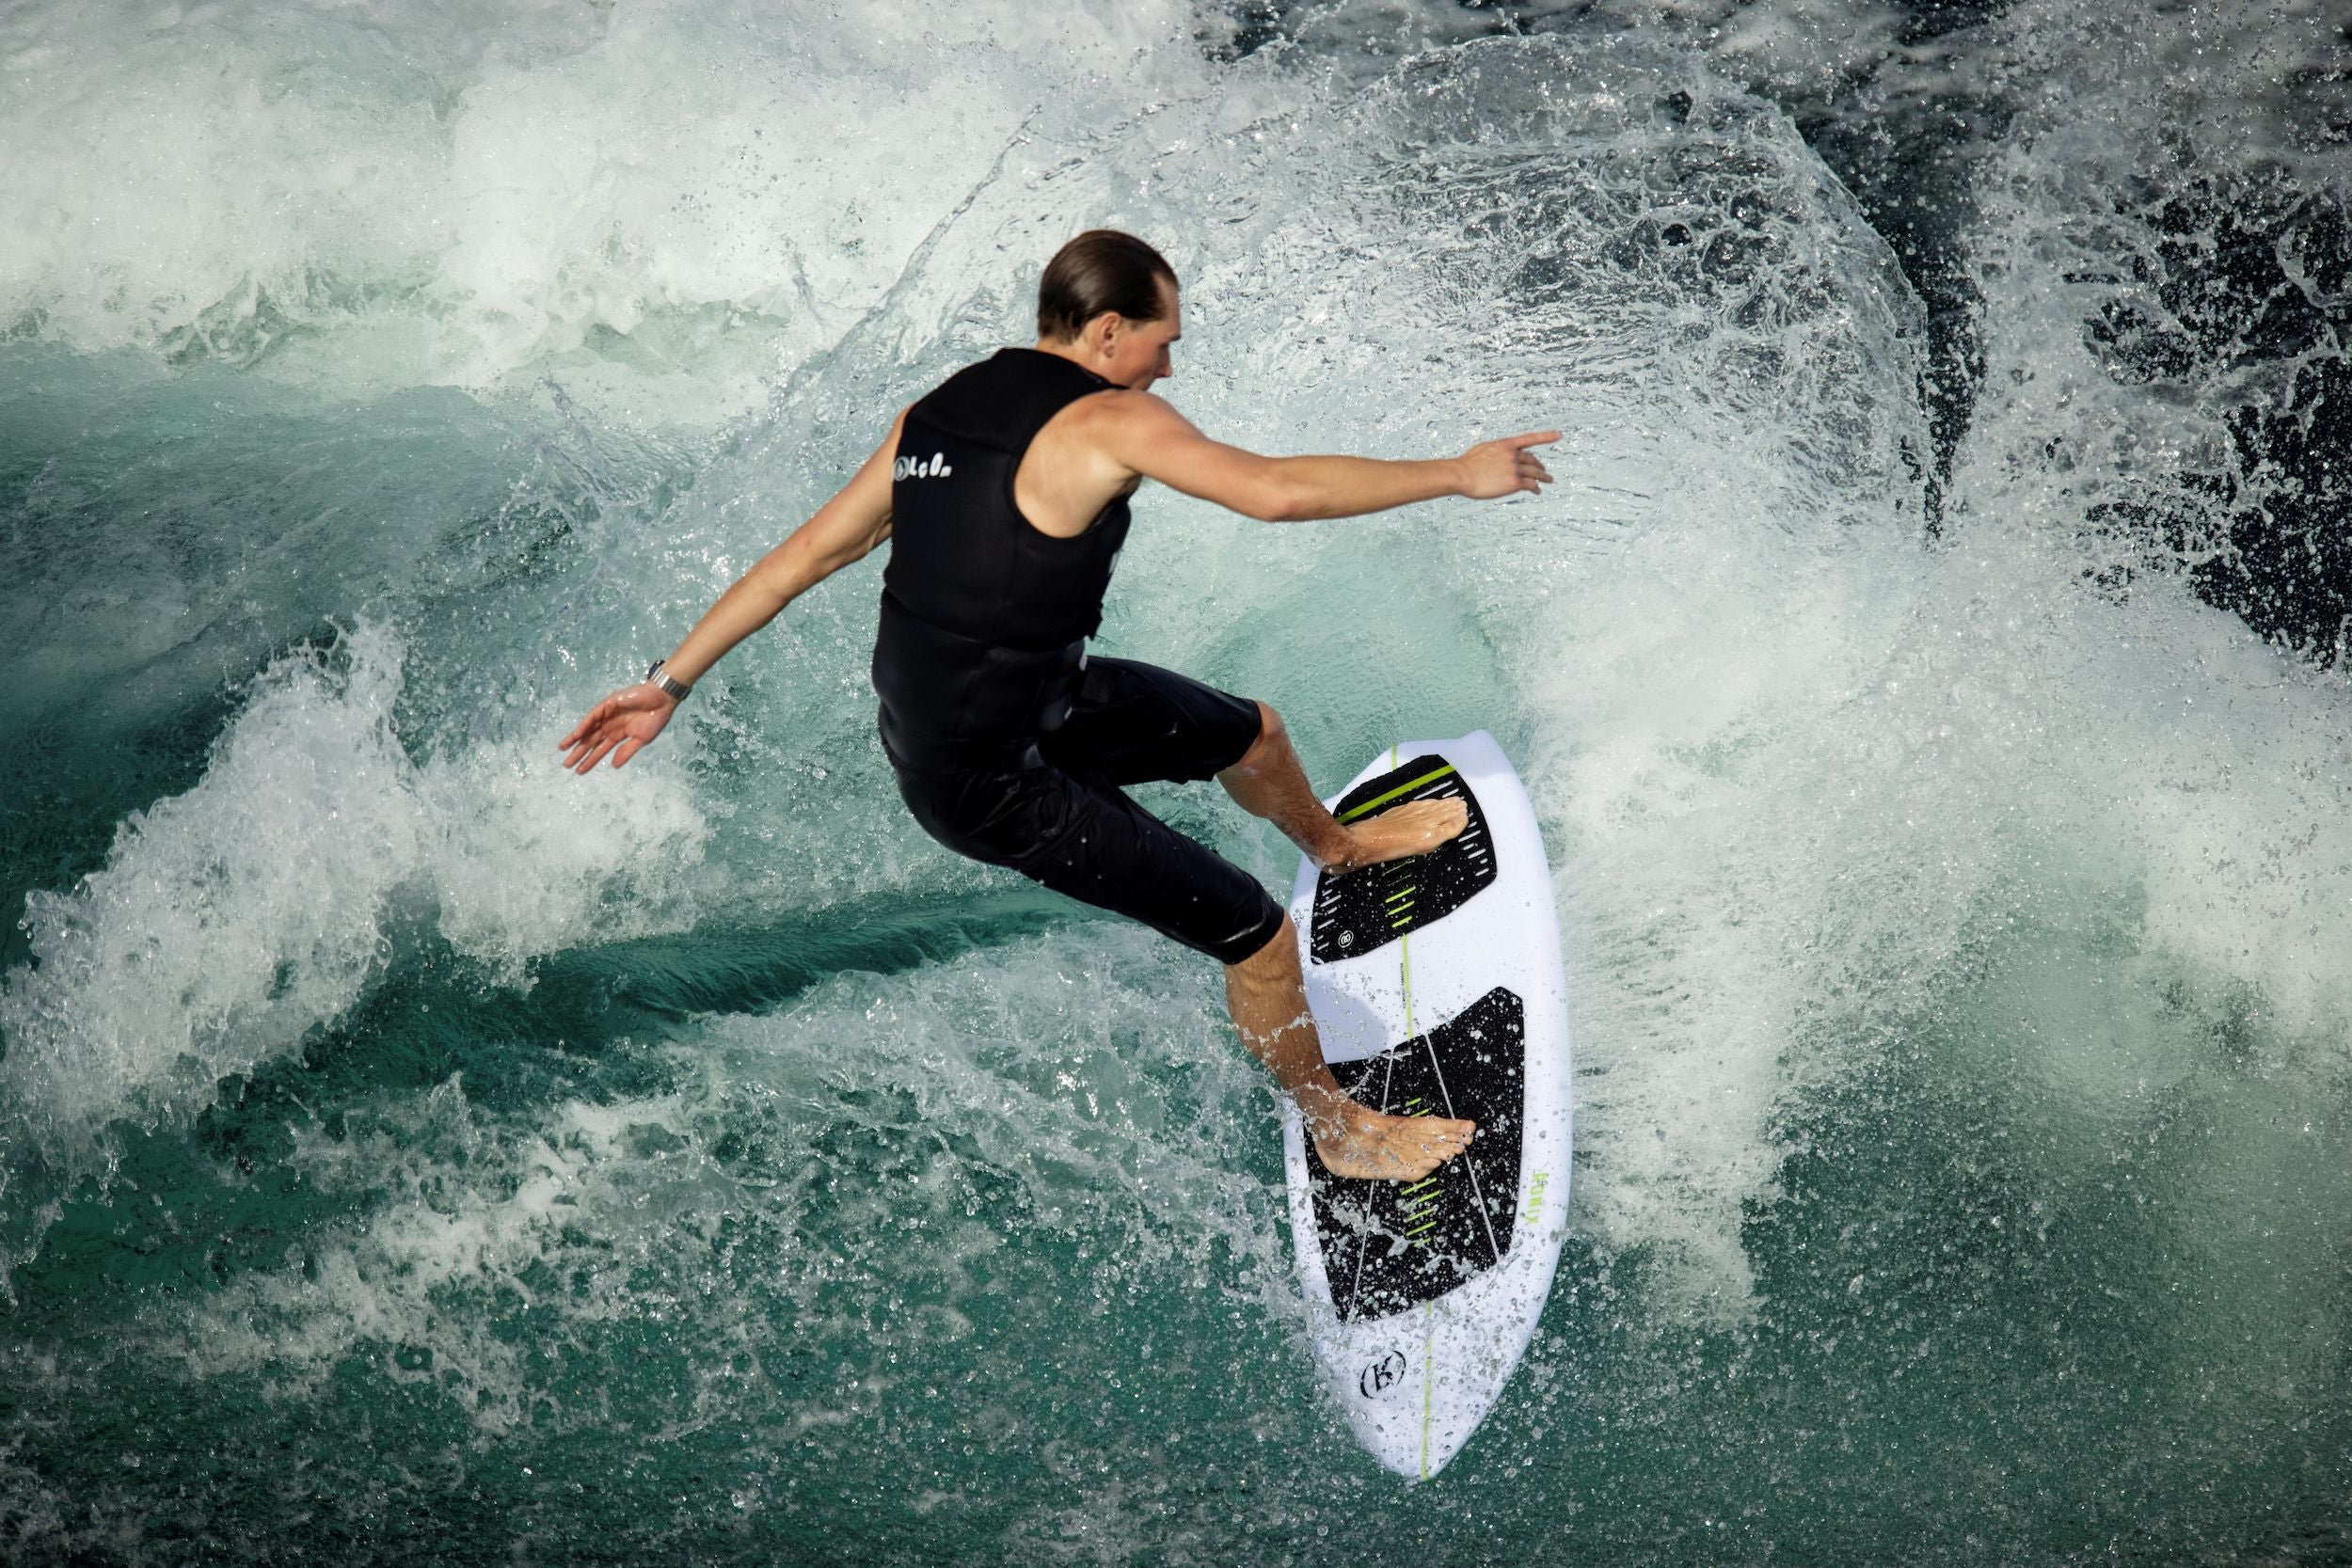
(1268, 1000)
(1135, 721)
(1268, 782)
(1111, 853)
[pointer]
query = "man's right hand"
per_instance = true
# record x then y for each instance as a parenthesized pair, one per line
(624, 724)
(1505, 466)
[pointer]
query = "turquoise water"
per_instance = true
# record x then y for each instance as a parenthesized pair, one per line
(408, 1152)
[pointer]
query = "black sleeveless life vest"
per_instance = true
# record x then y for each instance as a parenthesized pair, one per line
(984, 619)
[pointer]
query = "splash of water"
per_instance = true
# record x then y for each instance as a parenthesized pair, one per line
(1951, 929)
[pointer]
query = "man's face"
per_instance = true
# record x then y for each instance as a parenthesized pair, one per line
(1138, 351)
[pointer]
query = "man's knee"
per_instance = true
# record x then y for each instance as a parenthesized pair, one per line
(1272, 954)
(1271, 739)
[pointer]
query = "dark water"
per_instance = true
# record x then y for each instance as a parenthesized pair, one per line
(1928, 671)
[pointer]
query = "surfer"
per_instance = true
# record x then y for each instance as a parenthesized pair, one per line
(1004, 494)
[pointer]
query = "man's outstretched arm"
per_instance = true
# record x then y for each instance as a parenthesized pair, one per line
(844, 530)
(1144, 435)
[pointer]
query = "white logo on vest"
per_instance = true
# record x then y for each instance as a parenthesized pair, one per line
(915, 467)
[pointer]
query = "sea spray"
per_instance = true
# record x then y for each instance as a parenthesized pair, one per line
(1950, 915)
(653, 203)
(230, 923)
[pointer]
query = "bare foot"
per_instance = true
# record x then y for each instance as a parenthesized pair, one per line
(1414, 827)
(1368, 1145)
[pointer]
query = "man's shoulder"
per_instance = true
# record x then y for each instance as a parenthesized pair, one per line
(1124, 406)
(1119, 422)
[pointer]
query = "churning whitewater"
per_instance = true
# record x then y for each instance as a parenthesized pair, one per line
(1927, 671)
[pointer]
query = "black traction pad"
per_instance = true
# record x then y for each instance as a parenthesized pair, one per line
(1387, 1245)
(1360, 911)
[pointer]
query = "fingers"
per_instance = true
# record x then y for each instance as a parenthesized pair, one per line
(1526, 473)
(595, 739)
(596, 716)
(603, 744)
(609, 724)
(579, 747)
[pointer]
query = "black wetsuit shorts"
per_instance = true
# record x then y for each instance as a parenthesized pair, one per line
(1052, 808)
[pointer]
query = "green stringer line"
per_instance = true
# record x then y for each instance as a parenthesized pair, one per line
(1378, 801)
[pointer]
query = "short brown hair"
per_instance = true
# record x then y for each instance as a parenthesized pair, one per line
(1101, 270)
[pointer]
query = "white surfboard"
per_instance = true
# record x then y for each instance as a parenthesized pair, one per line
(1437, 989)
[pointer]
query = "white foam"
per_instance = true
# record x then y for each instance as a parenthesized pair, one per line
(1516, 276)
(867, 1149)
(227, 922)
(1795, 758)
(524, 863)
(231, 921)
(2201, 768)
(663, 204)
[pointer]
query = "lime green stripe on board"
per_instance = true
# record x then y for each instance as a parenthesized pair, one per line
(1378, 801)
(1428, 1381)
(1405, 969)
(1405, 974)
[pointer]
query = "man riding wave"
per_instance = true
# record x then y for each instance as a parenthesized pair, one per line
(1004, 495)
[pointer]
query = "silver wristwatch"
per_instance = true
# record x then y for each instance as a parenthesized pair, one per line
(678, 689)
